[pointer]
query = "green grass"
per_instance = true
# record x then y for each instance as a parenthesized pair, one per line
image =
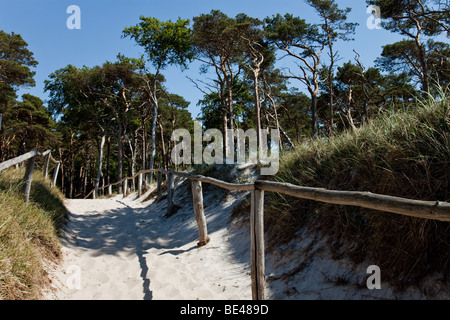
(404, 153)
(28, 234)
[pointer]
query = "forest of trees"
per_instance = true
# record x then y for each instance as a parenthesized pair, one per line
(109, 121)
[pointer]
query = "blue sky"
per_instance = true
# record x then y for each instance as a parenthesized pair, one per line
(43, 25)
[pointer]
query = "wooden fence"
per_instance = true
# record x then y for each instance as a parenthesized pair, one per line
(434, 210)
(30, 158)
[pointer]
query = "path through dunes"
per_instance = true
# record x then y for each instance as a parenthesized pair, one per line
(126, 249)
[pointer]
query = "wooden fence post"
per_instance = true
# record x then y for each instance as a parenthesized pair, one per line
(197, 197)
(95, 192)
(125, 187)
(27, 179)
(46, 163)
(159, 186)
(55, 174)
(170, 192)
(140, 185)
(257, 245)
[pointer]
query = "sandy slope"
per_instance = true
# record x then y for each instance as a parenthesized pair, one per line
(125, 249)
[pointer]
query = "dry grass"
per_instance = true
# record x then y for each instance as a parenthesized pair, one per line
(28, 234)
(404, 154)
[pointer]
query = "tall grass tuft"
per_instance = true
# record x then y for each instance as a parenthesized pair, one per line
(28, 234)
(400, 153)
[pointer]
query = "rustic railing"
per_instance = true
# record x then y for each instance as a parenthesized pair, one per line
(30, 158)
(434, 210)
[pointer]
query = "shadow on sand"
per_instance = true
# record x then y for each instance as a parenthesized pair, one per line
(134, 230)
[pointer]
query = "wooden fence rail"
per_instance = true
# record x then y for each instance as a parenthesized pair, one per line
(434, 210)
(30, 158)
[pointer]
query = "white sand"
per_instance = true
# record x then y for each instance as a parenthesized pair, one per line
(125, 249)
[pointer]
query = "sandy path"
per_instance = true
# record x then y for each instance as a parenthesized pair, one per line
(124, 249)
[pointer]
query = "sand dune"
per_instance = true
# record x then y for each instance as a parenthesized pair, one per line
(123, 248)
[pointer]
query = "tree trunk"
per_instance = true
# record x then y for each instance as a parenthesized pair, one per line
(120, 157)
(85, 178)
(153, 152)
(228, 75)
(314, 113)
(79, 188)
(86, 169)
(230, 108)
(364, 113)
(108, 155)
(257, 105)
(133, 163)
(225, 131)
(424, 67)
(62, 169)
(164, 156)
(144, 143)
(349, 109)
(72, 168)
(100, 165)
(279, 129)
(330, 78)
(423, 62)
(330, 129)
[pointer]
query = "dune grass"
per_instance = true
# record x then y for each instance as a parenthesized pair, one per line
(28, 234)
(404, 153)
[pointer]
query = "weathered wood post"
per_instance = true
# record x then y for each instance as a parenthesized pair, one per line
(159, 186)
(170, 192)
(197, 197)
(27, 179)
(46, 163)
(55, 173)
(257, 245)
(140, 184)
(125, 187)
(95, 192)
